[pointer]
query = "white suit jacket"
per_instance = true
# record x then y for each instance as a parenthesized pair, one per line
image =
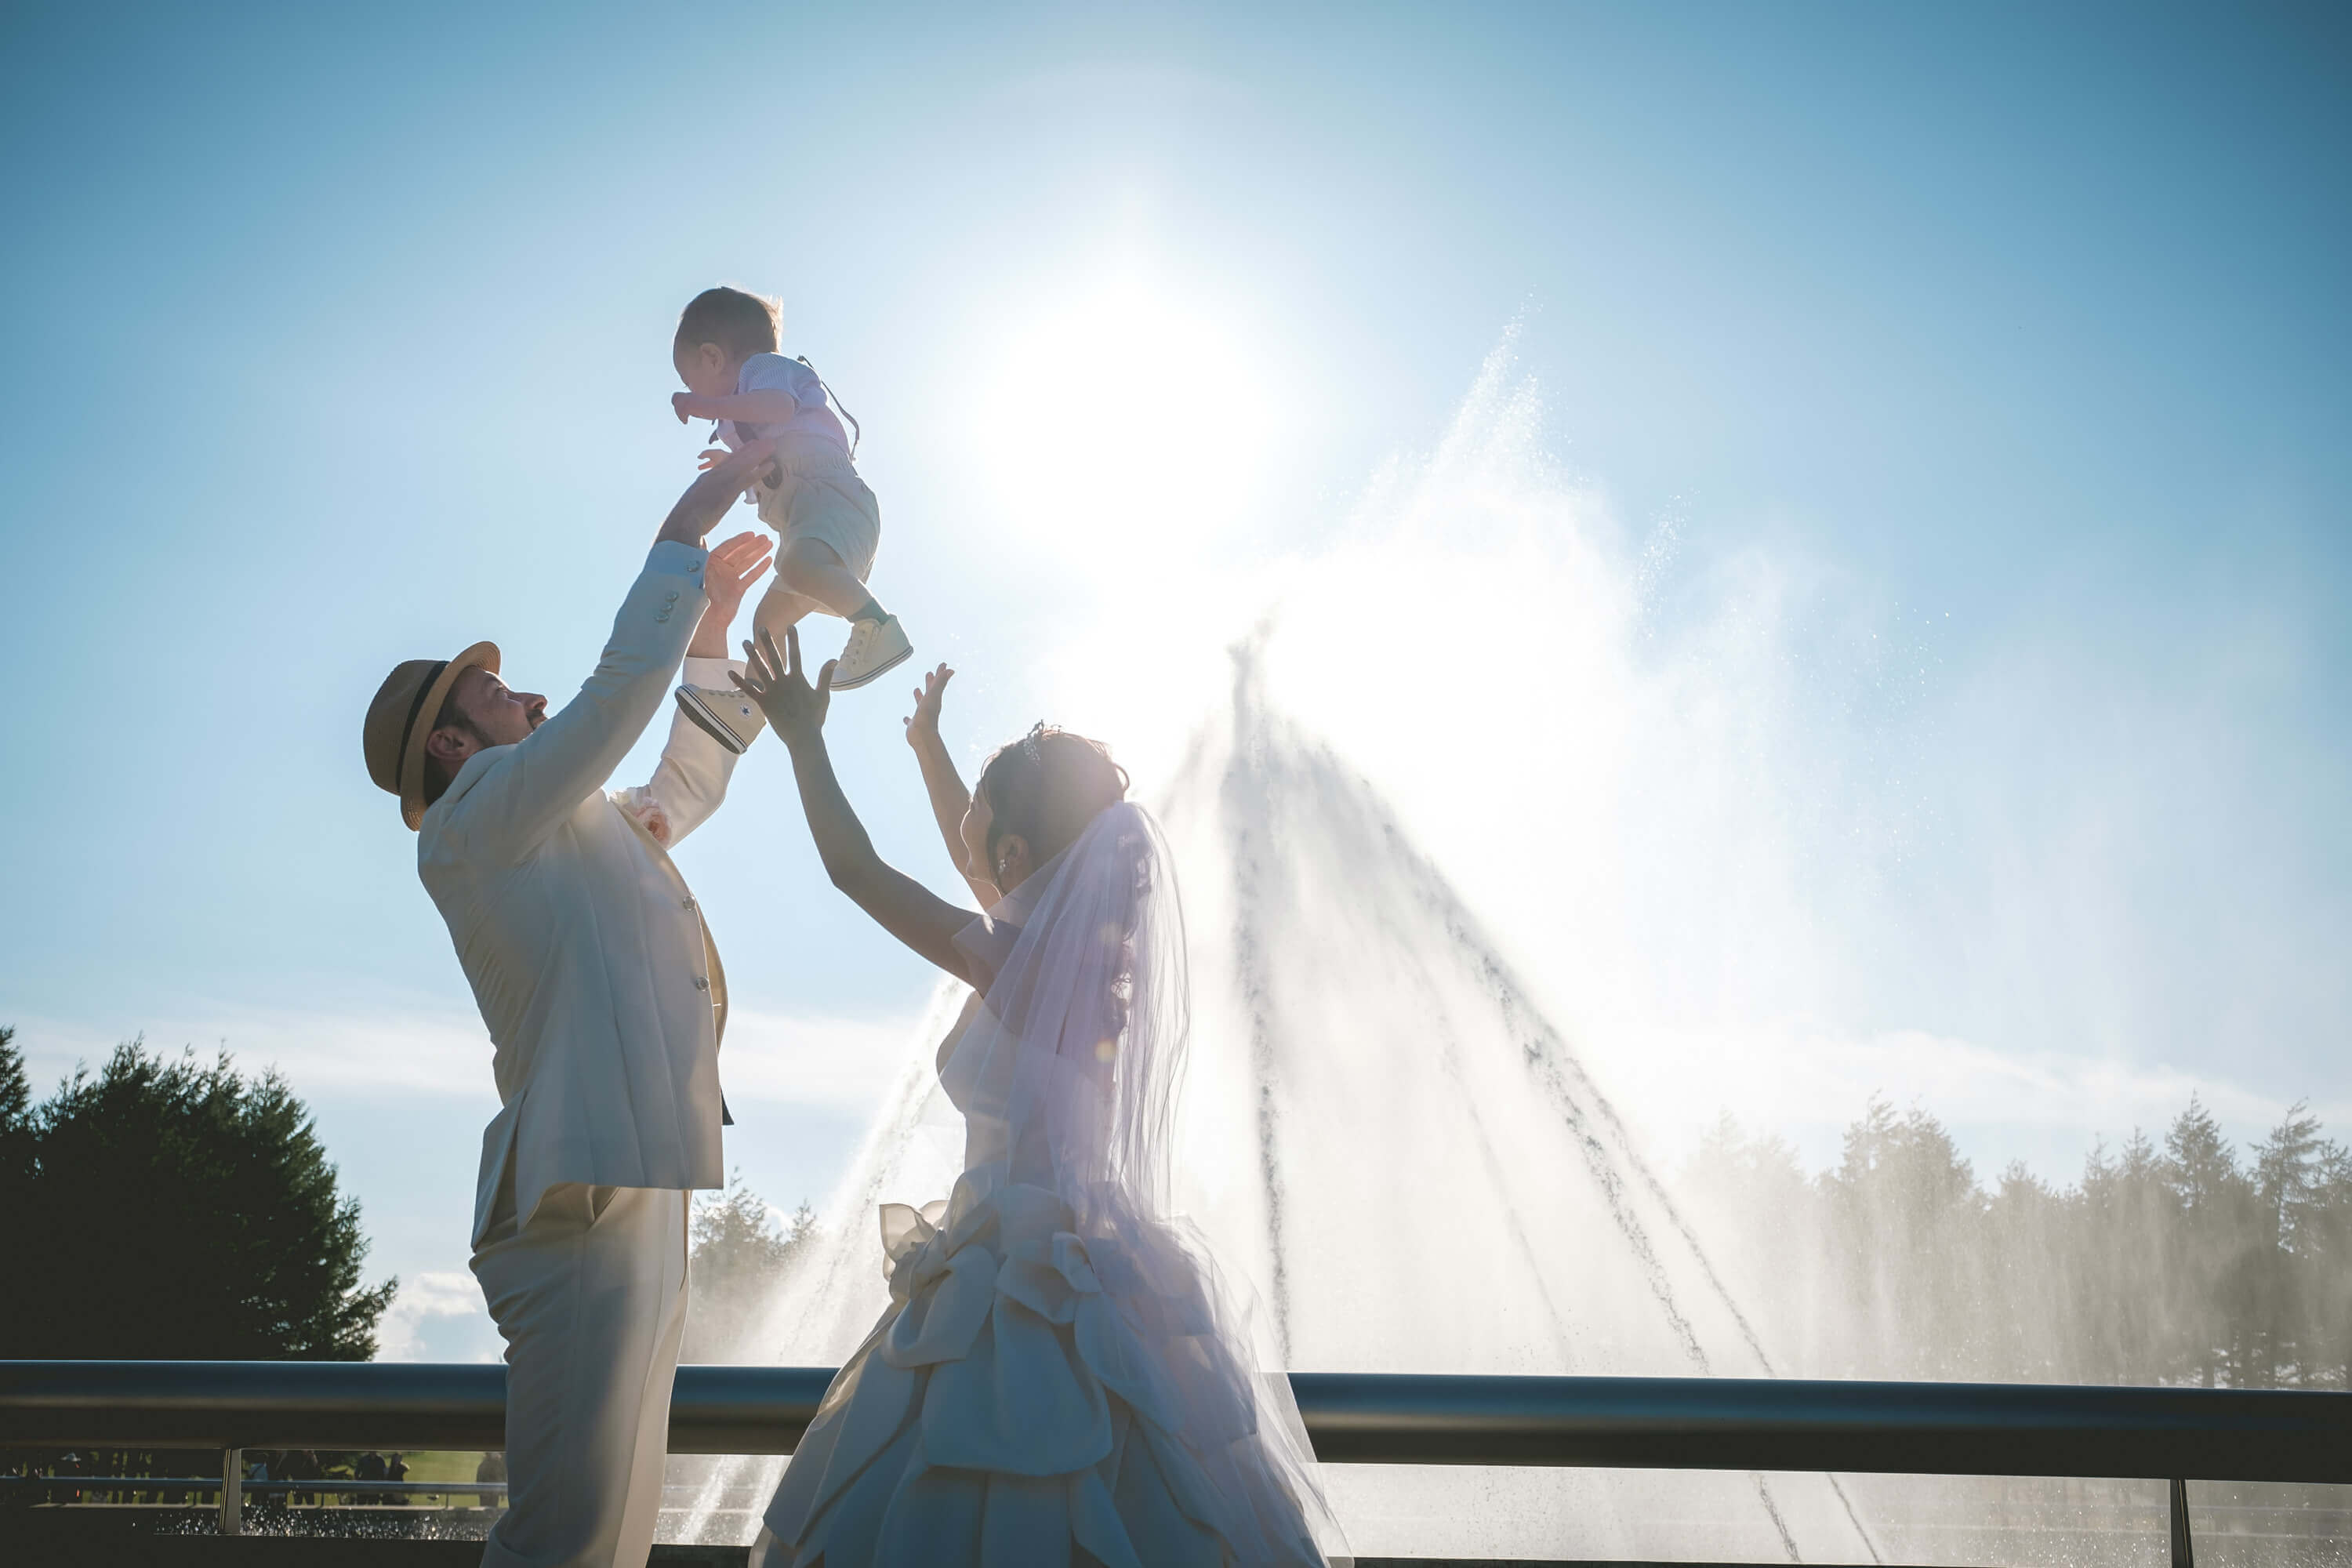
(587, 952)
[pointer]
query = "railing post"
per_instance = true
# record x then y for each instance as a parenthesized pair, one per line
(232, 1497)
(2184, 1556)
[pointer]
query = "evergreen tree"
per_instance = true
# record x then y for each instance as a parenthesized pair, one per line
(2217, 1256)
(15, 1119)
(2289, 1174)
(2324, 1243)
(1908, 1215)
(739, 1257)
(15, 1187)
(2034, 1280)
(175, 1210)
(1760, 1212)
(2124, 1231)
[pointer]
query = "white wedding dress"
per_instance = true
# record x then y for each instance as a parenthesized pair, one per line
(1058, 1379)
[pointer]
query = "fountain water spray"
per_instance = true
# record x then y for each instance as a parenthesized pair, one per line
(1384, 1134)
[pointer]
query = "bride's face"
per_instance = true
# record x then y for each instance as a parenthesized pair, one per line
(976, 818)
(1012, 863)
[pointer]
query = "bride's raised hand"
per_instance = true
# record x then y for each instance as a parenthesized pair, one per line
(779, 683)
(923, 723)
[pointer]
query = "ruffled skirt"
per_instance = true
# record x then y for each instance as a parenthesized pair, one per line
(1036, 1397)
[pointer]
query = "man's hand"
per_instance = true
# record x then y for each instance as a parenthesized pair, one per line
(731, 569)
(727, 575)
(779, 684)
(923, 723)
(707, 499)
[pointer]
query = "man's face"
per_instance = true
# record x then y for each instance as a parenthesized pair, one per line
(501, 713)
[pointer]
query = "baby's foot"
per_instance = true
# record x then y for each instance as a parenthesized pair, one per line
(729, 717)
(876, 647)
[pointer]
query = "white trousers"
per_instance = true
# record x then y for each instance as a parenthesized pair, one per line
(589, 1295)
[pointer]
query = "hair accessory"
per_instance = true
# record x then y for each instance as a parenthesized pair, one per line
(1029, 741)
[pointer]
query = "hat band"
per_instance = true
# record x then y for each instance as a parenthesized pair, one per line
(416, 703)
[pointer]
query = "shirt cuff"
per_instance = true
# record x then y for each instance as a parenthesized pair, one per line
(710, 674)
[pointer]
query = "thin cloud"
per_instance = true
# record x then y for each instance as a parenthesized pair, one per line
(439, 1297)
(414, 1052)
(835, 1063)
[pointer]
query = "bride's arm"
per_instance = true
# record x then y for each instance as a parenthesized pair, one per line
(899, 904)
(950, 799)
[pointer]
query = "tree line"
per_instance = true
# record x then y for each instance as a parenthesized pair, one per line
(2179, 1261)
(169, 1207)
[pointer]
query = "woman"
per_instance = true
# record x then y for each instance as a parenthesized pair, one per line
(1056, 1379)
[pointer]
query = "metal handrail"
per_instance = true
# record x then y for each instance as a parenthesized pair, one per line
(325, 1486)
(1737, 1424)
(1672, 1423)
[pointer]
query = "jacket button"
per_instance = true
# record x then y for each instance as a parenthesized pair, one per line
(687, 905)
(700, 984)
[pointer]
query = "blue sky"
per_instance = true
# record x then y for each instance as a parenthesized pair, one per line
(2015, 344)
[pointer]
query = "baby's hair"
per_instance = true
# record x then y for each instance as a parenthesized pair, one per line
(1046, 786)
(742, 324)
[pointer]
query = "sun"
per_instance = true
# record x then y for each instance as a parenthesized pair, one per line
(1127, 416)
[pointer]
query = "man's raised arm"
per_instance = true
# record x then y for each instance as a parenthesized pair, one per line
(569, 757)
(707, 499)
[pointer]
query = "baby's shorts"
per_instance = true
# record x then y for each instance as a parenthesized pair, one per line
(818, 495)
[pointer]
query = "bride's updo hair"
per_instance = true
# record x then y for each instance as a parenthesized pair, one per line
(1046, 786)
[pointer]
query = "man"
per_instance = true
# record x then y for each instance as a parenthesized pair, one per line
(604, 1001)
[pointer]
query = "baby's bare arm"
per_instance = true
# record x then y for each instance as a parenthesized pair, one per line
(767, 405)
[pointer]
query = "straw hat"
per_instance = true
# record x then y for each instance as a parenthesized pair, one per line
(394, 737)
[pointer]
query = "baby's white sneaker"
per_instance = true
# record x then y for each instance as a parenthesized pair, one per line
(874, 648)
(729, 717)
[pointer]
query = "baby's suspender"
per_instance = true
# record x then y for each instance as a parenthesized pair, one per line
(856, 435)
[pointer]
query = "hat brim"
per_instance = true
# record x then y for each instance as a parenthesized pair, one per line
(481, 655)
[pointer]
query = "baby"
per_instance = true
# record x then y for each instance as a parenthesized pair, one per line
(829, 521)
